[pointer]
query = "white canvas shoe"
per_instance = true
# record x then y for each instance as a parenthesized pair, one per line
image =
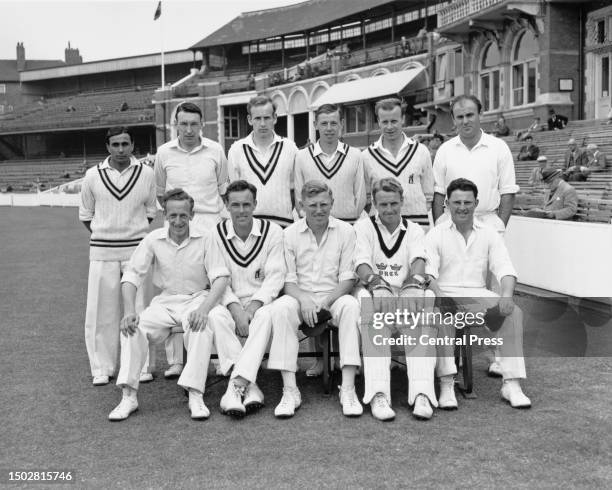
(350, 404)
(127, 406)
(381, 410)
(290, 402)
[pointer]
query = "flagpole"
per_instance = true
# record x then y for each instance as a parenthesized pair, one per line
(163, 71)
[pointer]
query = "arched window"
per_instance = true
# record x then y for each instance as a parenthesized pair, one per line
(489, 78)
(524, 69)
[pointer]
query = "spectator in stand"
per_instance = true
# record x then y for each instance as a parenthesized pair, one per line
(573, 157)
(533, 128)
(434, 143)
(556, 121)
(561, 200)
(501, 128)
(528, 151)
(536, 178)
(593, 159)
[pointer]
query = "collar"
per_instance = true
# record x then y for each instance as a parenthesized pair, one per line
(406, 140)
(106, 163)
(476, 225)
(255, 230)
(204, 142)
(381, 225)
(485, 140)
(251, 142)
(303, 226)
(165, 235)
(317, 148)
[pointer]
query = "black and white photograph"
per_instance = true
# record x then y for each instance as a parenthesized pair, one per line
(306, 243)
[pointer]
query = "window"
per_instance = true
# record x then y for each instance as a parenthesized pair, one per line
(601, 32)
(2, 88)
(458, 63)
(605, 76)
(355, 117)
(1, 108)
(231, 122)
(489, 78)
(441, 67)
(524, 70)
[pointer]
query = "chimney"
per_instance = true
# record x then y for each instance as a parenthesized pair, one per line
(21, 61)
(72, 56)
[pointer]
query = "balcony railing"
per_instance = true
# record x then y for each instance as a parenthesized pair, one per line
(462, 9)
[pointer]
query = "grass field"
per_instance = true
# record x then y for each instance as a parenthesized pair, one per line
(53, 418)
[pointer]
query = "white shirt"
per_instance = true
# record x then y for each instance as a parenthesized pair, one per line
(187, 268)
(393, 262)
(488, 164)
(319, 268)
(257, 264)
(201, 172)
(456, 263)
(411, 167)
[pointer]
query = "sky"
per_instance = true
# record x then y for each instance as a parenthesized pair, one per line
(104, 29)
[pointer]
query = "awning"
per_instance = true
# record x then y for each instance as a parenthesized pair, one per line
(368, 88)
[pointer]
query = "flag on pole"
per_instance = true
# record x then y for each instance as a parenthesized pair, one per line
(157, 11)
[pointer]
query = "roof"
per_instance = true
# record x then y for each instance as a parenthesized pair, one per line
(309, 15)
(9, 73)
(369, 88)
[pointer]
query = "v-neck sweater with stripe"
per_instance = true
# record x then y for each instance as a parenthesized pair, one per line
(118, 206)
(344, 175)
(273, 177)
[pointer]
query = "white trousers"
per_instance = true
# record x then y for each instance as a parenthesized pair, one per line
(164, 313)
(421, 360)
(103, 314)
(286, 319)
(246, 360)
(511, 359)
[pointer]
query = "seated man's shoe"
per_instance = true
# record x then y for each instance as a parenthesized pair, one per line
(124, 409)
(447, 399)
(100, 380)
(422, 408)
(350, 404)
(290, 402)
(316, 369)
(511, 392)
(146, 377)
(231, 401)
(173, 371)
(494, 370)
(199, 411)
(253, 398)
(381, 410)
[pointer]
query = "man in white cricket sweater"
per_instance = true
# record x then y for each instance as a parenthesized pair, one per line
(390, 260)
(191, 273)
(337, 164)
(396, 155)
(117, 206)
(197, 165)
(253, 252)
(266, 160)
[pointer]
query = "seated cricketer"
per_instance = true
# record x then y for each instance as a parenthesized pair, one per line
(390, 261)
(319, 252)
(461, 252)
(192, 275)
(253, 252)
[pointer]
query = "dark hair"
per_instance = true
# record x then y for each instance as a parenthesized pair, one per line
(177, 194)
(387, 184)
(388, 104)
(189, 107)
(461, 185)
(260, 100)
(114, 131)
(438, 136)
(463, 98)
(239, 186)
(528, 137)
(327, 109)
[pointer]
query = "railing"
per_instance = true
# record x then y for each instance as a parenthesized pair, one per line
(462, 9)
